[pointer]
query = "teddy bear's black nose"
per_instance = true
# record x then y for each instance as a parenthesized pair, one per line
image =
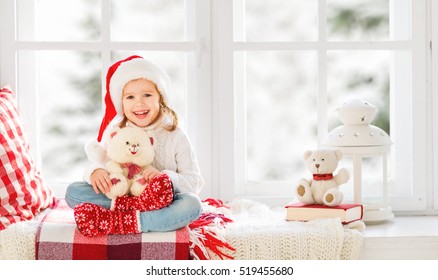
(317, 165)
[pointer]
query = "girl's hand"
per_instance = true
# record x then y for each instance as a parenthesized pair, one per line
(150, 173)
(101, 181)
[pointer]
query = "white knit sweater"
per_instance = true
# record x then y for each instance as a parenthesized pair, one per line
(174, 155)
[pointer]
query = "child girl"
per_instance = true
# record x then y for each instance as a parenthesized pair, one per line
(137, 93)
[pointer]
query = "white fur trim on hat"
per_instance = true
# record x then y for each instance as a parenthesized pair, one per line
(136, 69)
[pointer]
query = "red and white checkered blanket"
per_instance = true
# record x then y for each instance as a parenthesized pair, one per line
(59, 239)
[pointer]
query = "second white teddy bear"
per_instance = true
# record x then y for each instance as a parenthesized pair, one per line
(323, 187)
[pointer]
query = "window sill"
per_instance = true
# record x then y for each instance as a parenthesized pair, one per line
(405, 237)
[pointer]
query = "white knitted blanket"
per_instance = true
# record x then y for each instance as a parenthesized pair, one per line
(261, 233)
(17, 241)
(257, 233)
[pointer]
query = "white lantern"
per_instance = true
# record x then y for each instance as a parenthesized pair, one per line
(358, 139)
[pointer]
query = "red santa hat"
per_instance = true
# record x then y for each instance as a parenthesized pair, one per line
(122, 72)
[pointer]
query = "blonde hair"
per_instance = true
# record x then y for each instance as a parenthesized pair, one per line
(169, 112)
(165, 111)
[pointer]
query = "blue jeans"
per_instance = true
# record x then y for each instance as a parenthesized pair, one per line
(185, 208)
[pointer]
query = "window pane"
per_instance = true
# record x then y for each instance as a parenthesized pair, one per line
(59, 20)
(148, 20)
(280, 20)
(175, 65)
(281, 117)
(68, 110)
(358, 20)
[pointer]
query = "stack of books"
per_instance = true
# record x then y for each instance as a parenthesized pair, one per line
(306, 212)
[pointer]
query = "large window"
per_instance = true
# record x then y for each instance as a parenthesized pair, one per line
(255, 82)
(295, 62)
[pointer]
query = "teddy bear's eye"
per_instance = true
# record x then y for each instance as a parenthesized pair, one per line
(127, 143)
(322, 159)
(314, 159)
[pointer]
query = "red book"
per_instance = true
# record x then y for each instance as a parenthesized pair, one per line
(302, 212)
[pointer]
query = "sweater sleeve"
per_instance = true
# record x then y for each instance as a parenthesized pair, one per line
(96, 154)
(187, 177)
(90, 169)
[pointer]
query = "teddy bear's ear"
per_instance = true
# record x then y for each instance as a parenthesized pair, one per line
(307, 154)
(114, 132)
(338, 154)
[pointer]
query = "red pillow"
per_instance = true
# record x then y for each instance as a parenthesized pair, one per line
(23, 193)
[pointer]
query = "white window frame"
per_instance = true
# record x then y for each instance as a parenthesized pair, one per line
(230, 129)
(433, 101)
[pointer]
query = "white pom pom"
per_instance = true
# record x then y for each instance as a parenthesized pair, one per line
(95, 151)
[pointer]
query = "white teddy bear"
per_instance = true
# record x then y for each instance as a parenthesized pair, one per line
(130, 150)
(323, 188)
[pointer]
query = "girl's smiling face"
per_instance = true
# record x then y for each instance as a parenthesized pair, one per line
(141, 102)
